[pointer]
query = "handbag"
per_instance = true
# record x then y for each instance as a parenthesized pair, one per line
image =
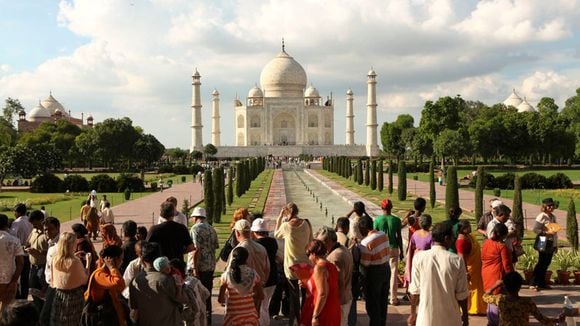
(99, 314)
(544, 243)
(227, 248)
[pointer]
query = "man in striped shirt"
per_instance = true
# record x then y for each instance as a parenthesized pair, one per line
(374, 249)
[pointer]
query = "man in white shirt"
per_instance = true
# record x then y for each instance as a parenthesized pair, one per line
(11, 263)
(52, 231)
(107, 216)
(503, 215)
(179, 216)
(439, 278)
(21, 229)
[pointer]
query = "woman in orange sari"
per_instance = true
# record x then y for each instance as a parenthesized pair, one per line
(496, 262)
(468, 248)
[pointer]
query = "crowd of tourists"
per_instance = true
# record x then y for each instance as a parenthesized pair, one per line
(283, 270)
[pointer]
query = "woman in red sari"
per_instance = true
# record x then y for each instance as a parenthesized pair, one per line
(322, 305)
(83, 245)
(496, 261)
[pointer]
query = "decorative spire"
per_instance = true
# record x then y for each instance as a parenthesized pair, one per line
(283, 46)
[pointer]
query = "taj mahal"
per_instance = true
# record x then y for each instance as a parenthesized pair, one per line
(284, 117)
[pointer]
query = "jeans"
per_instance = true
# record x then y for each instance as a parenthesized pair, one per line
(352, 313)
(206, 278)
(264, 313)
(376, 291)
(541, 268)
(394, 271)
(280, 297)
(296, 297)
(22, 292)
(36, 280)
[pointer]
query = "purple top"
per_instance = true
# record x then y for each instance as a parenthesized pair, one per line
(417, 243)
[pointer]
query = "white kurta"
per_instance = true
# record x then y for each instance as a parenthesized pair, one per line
(440, 278)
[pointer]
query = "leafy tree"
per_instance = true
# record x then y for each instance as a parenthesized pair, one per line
(374, 175)
(390, 178)
(380, 181)
(367, 173)
(517, 211)
(208, 195)
(402, 178)
(391, 140)
(115, 138)
(11, 109)
(209, 150)
(18, 161)
(230, 194)
(479, 187)
(572, 225)
(147, 150)
(8, 134)
(196, 155)
(452, 189)
(86, 145)
(432, 193)
(359, 172)
(451, 143)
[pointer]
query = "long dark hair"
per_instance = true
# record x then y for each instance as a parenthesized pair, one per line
(239, 258)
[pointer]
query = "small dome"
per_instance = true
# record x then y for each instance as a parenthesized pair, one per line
(513, 100)
(196, 73)
(349, 92)
(255, 92)
(311, 91)
(525, 107)
(283, 77)
(371, 72)
(215, 92)
(52, 105)
(38, 113)
(90, 117)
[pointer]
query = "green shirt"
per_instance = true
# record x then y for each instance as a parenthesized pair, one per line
(391, 225)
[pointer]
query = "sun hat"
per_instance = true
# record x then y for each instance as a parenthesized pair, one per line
(242, 225)
(198, 212)
(259, 225)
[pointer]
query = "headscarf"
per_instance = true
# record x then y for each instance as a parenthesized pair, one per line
(110, 237)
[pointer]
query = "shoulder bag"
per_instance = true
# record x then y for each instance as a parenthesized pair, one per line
(99, 314)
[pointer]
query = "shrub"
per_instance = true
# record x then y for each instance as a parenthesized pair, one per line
(181, 169)
(402, 179)
(506, 181)
(154, 186)
(559, 181)
(196, 168)
(183, 178)
(572, 225)
(533, 180)
(489, 181)
(103, 183)
(130, 181)
(451, 189)
(127, 194)
(75, 183)
(47, 183)
(497, 192)
(479, 185)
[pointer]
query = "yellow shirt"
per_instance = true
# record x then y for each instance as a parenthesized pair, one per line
(296, 239)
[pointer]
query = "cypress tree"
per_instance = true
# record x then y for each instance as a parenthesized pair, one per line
(380, 181)
(367, 173)
(349, 168)
(402, 186)
(247, 176)
(432, 193)
(208, 194)
(230, 194)
(355, 174)
(452, 189)
(517, 211)
(345, 167)
(239, 180)
(390, 178)
(374, 175)
(359, 177)
(572, 225)
(479, 186)
(217, 200)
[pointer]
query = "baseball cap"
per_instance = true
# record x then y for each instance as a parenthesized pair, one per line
(199, 212)
(160, 263)
(259, 225)
(496, 203)
(242, 225)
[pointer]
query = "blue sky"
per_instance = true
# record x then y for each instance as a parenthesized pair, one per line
(115, 58)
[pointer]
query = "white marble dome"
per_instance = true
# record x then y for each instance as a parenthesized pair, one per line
(311, 91)
(255, 92)
(283, 77)
(513, 100)
(53, 105)
(38, 113)
(525, 107)
(349, 92)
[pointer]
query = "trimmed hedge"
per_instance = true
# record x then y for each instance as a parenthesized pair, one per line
(103, 183)
(47, 183)
(530, 180)
(75, 183)
(131, 182)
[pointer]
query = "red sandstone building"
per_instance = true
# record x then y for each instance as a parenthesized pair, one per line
(49, 110)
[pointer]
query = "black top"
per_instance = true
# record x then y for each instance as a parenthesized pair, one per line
(271, 246)
(128, 253)
(173, 238)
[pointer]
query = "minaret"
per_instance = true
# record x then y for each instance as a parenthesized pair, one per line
(215, 118)
(349, 118)
(196, 126)
(372, 147)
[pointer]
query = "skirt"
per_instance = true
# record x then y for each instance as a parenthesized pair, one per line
(67, 307)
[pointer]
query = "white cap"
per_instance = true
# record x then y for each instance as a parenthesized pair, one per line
(496, 203)
(242, 225)
(198, 212)
(259, 225)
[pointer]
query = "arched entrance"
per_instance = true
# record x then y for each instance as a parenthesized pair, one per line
(284, 129)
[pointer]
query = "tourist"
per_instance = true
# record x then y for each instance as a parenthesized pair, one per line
(52, 232)
(439, 284)
(421, 240)
(103, 203)
(496, 261)
(135, 266)
(173, 237)
(412, 217)
(21, 229)
(469, 250)
(341, 257)
(487, 217)
(107, 216)
(322, 305)
(141, 233)
(342, 229)
(83, 246)
(375, 271)
(194, 294)
(92, 199)
(36, 248)
(20, 313)
(257, 254)
(391, 226)
(11, 263)
(359, 211)
(513, 309)
(202, 260)
(502, 214)
(240, 290)
(107, 280)
(262, 236)
(153, 297)
(179, 216)
(85, 209)
(544, 256)
(110, 236)
(69, 278)
(129, 232)
(297, 234)
(93, 222)
(232, 242)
